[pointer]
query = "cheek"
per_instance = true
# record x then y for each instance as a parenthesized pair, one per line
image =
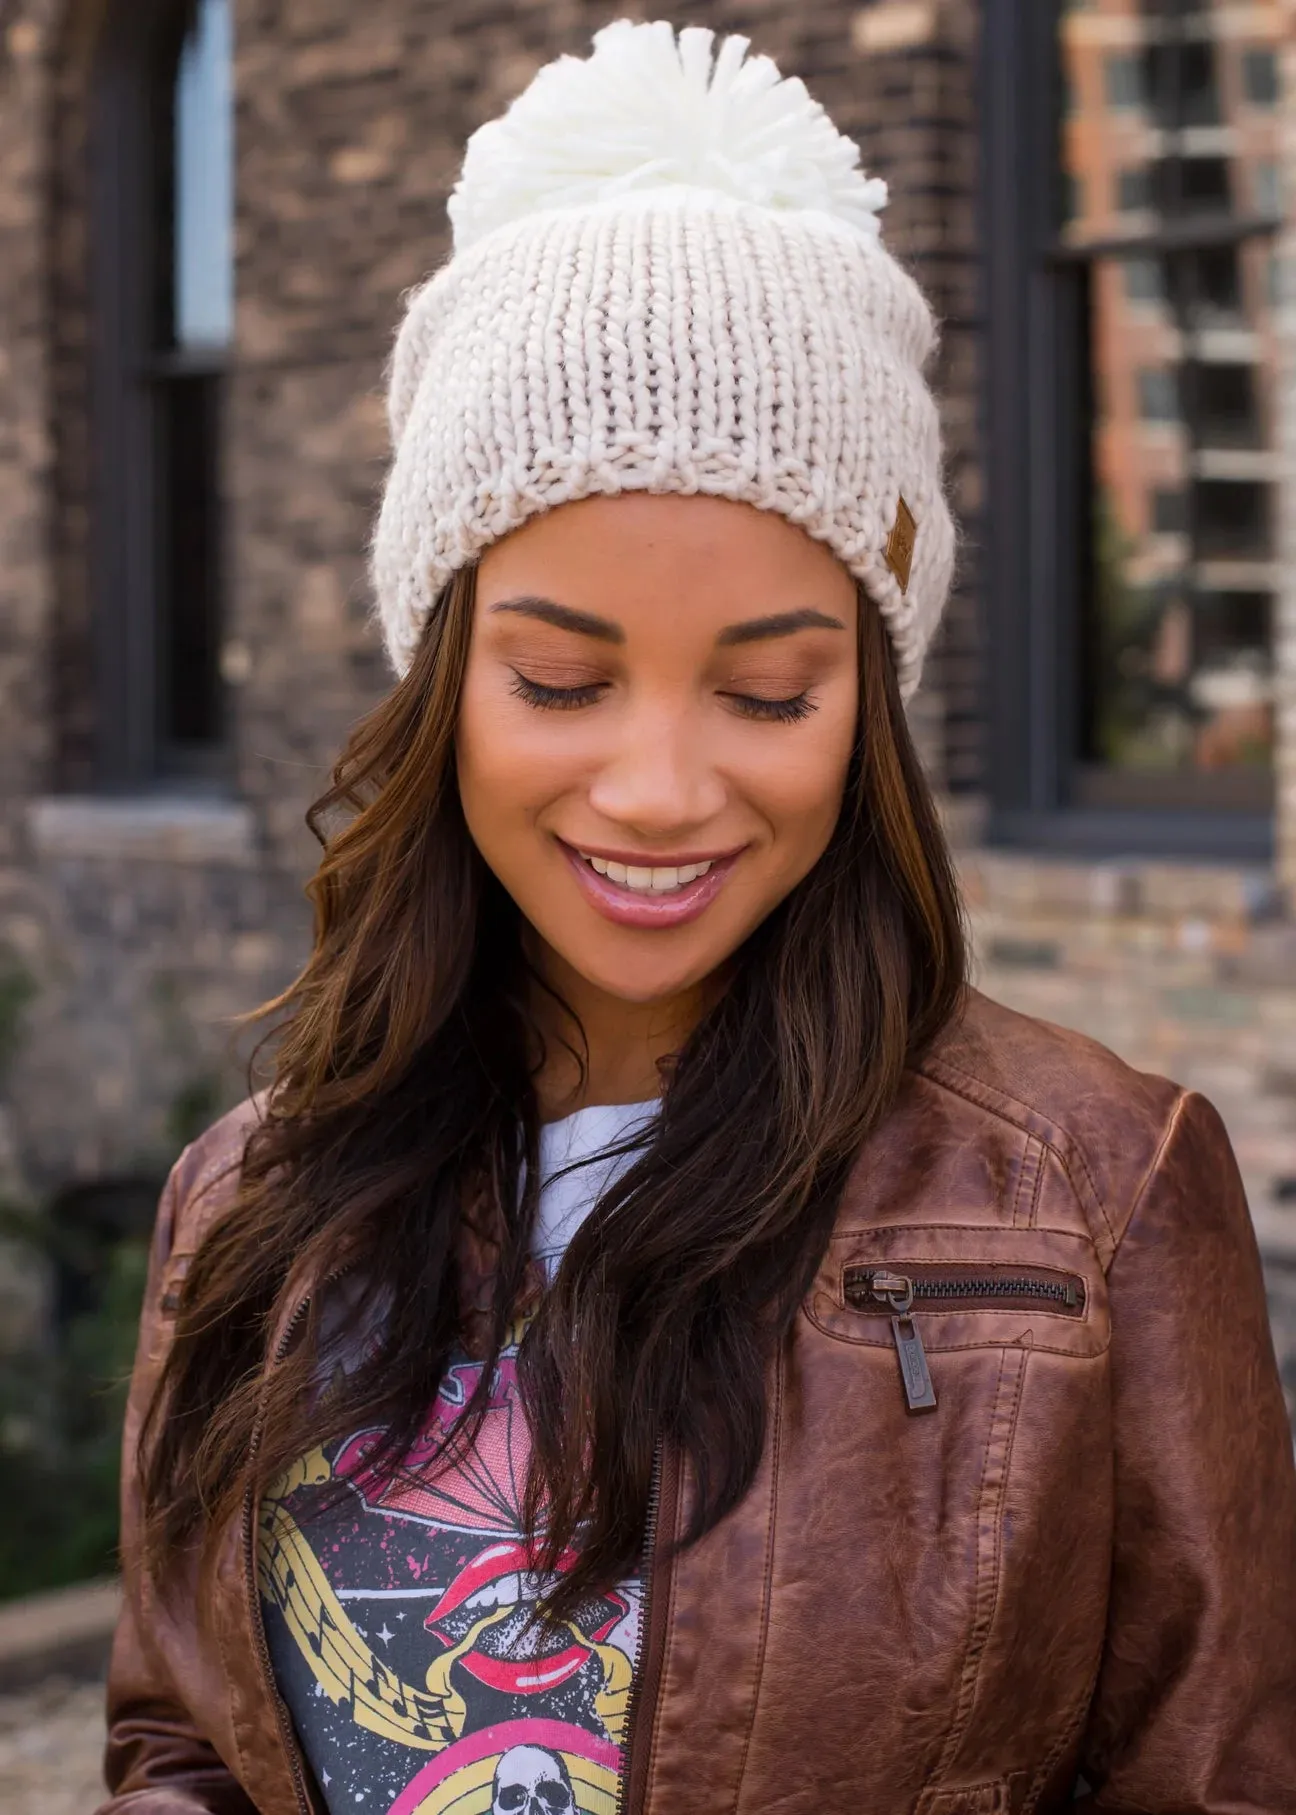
(506, 766)
(797, 780)
(495, 779)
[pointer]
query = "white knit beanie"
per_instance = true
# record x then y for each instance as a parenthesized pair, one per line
(667, 277)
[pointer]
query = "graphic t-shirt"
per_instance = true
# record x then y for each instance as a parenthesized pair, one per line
(398, 1619)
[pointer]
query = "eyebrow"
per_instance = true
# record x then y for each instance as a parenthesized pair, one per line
(778, 624)
(587, 624)
(563, 617)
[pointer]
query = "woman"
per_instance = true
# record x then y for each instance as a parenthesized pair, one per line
(662, 1343)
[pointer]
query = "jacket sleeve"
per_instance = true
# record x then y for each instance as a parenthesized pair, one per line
(1195, 1707)
(156, 1761)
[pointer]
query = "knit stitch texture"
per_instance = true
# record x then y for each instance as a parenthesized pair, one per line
(658, 333)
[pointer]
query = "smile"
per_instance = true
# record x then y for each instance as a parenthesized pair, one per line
(651, 897)
(657, 881)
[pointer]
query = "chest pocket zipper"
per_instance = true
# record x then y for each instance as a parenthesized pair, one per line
(884, 1290)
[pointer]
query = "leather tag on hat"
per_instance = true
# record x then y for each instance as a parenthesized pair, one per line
(900, 544)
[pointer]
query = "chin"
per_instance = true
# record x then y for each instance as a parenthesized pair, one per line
(634, 977)
(634, 987)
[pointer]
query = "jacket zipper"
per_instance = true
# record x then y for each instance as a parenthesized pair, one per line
(632, 1783)
(880, 1289)
(288, 1738)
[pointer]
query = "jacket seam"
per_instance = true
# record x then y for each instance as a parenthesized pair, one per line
(983, 1622)
(1029, 1173)
(971, 1657)
(974, 1091)
(961, 1225)
(211, 1176)
(228, 1158)
(885, 1347)
(1177, 1111)
(1059, 1746)
(1032, 1220)
(759, 1672)
(223, 1647)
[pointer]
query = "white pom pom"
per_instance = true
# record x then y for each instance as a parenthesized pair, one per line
(645, 111)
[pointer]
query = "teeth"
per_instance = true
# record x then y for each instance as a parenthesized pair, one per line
(660, 881)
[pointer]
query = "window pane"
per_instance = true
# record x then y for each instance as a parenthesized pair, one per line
(1267, 196)
(1174, 126)
(1169, 511)
(189, 692)
(1124, 81)
(1134, 189)
(1158, 391)
(1144, 279)
(1260, 77)
(204, 183)
(1180, 512)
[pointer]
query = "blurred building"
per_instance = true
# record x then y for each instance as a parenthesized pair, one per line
(1171, 198)
(209, 211)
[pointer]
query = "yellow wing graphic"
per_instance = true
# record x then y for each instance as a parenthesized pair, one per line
(343, 1664)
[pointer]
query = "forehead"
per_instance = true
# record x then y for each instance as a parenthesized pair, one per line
(626, 555)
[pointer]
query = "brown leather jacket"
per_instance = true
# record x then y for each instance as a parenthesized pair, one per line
(1081, 1564)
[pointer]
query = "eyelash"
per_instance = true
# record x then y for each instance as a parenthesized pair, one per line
(570, 699)
(779, 712)
(559, 699)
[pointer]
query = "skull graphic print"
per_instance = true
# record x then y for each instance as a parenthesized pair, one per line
(531, 1781)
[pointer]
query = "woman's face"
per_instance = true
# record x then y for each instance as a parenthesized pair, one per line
(657, 718)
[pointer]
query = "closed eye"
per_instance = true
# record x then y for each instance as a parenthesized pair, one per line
(556, 699)
(568, 699)
(781, 712)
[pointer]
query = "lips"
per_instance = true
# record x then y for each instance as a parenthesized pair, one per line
(553, 1655)
(647, 903)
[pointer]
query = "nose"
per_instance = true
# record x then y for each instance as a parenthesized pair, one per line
(659, 778)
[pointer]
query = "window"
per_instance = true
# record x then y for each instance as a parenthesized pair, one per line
(1144, 280)
(1158, 396)
(1260, 77)
(1131, 458)
(163, 284)
(1133, 190)
(1268, 189)
(1123, 81)
(1195, 183)
(1276, 285)
(1182, 74)
(1169, 512)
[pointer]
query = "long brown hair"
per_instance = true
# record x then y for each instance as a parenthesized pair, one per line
(402, 1103)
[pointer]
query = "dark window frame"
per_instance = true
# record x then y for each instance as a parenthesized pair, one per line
(1035, 402)
(137, 380)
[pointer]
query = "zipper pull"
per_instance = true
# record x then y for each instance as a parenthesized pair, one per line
(897, 1290)
(920, 1394)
